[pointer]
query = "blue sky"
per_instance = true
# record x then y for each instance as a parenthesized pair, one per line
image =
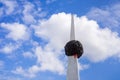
(33, 35)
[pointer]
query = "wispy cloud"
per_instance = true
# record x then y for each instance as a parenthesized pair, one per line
(46, 61)
(9, 48)
(9, 6)
(19, 70)
(7, 75)
(83, 66)
(28, 13)
(17, 31)
(107, 16)
(28, 55)
(50, 1)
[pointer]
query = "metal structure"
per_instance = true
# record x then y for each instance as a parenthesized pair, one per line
(72, 69)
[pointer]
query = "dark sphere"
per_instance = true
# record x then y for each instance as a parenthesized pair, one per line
(74, 47)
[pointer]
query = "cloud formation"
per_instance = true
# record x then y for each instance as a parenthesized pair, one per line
(107, 16)
(46, 61)
(99, 44)
(16, 31)
(28, 55)
(28, 13)
(9, 48)
(49, 61)
(50, 1)
(9, 6)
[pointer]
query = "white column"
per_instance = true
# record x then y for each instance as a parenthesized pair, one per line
(72, 69)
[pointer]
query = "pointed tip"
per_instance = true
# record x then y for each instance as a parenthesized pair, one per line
(72, 33)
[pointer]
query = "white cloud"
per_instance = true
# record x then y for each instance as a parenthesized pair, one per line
(99, 44)
(50, 1)
(31, 13)
(17, 31)
(9, 48)
(9, 6)
(108, 16)
(28, 13)
(46, 61)
(19, 70)
(49, 61)
(83, 66)
(42, 14)
(28, 55)
(55, 30)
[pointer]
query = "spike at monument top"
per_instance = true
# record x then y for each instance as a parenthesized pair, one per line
(72, 33)
(73, 47)
(74, 50)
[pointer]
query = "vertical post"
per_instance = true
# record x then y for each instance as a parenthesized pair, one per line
(72, 33)
(72, 69)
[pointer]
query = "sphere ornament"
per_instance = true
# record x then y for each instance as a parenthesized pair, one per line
(74, 47)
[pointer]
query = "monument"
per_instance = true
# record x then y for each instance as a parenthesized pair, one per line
(74, 50)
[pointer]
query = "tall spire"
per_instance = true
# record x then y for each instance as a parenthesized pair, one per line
(74, 50)
(72, 33)
(72, 69)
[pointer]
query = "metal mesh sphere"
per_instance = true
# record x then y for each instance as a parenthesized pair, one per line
(74, 47)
